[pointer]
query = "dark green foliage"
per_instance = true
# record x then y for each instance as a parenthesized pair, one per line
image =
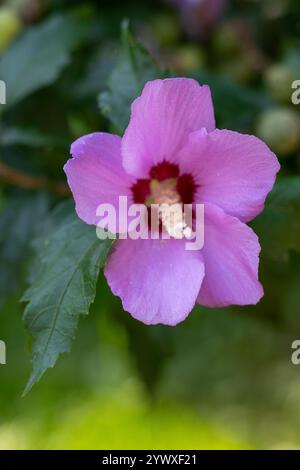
(135, 67)
(39, 55)
(63, 287)
(19, 223)
(64, 79)
(279, 225)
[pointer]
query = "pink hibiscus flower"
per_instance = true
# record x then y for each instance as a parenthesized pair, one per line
(172, 137)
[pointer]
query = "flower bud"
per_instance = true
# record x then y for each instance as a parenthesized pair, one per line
(188, 58)
(279, 79)
(274, 9)
(166, 30)
(280, 129)
(226, 42)
(10, 25)
(239, 68)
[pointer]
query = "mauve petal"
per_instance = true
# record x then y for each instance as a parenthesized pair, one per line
(95, 174)
(232, 170)
(161, 120)
(157, 280)
(231, 256)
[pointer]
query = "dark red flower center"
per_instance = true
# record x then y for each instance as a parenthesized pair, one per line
(183, 184)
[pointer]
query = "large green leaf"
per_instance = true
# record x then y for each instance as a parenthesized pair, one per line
(38, 56)
(62, 288)
(279, 225)
(134, 68)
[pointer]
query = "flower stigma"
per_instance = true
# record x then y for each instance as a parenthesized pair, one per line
(164, 194)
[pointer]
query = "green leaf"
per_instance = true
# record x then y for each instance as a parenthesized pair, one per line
(134, 68)
(62, 289)
(38, 56)
(30, 137)
(279, 225)
(19, 222)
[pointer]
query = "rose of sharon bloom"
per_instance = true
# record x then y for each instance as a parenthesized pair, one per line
(172, 137)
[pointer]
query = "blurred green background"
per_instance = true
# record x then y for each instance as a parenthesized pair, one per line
(223, 379)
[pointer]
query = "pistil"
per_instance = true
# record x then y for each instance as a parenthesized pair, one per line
(170, 207)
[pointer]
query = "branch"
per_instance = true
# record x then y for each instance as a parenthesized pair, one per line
(23, 180)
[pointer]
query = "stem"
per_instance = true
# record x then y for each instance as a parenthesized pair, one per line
(23, 180)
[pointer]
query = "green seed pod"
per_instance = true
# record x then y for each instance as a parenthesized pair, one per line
(239, 68)
(280, 129)
(273, 9)
(279, 79)
(166, 30)
(188, 58)
(226, 42)
(10, 26)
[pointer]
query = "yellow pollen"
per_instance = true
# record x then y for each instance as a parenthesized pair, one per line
(171, 214)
